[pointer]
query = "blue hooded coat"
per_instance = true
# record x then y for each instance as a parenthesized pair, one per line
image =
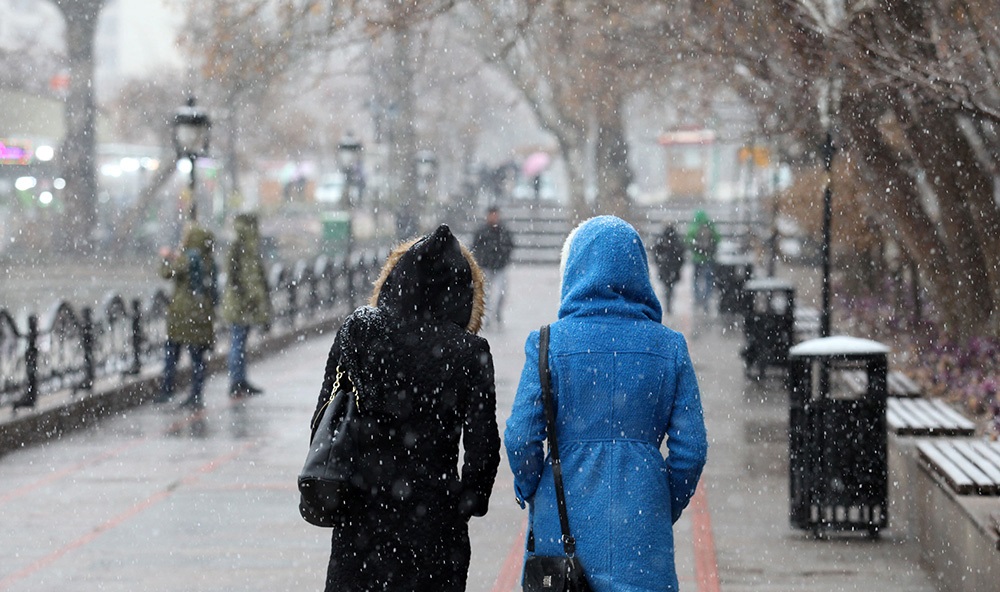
(621, 382)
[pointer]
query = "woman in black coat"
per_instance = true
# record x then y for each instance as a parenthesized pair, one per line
(422, 373)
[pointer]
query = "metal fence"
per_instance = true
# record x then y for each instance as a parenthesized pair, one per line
(70, 349)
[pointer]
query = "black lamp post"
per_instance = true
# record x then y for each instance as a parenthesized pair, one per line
(349, 151)
(828, 151)
(191, 131)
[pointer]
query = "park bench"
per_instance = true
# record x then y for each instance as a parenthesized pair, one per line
(900, 385)
(969, 467)
(922, 417)
(807, 321)
(897, 384)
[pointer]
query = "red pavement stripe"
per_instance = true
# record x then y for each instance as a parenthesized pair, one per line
(510, 571)
(706, 568)
(122, 517)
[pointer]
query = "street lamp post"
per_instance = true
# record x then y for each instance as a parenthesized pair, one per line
(828, 151)
(349, 152)
(191, 133)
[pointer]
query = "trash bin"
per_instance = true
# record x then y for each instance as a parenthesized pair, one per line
(336, 237)
(837, 445)
(731, 273)
(768, 324)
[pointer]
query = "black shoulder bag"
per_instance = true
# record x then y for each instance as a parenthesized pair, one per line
(562, 573)
(328, 484)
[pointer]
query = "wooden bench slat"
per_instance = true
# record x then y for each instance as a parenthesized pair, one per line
(989, 451)
(940, 424)
(959, 420)
(982, 481)
(941, 465)
(912, 424)
(983, 462)
(901, 385)
(927, 420)
(923, 417)
(896, 423)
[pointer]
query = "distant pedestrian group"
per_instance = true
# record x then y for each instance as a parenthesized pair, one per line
(701, 241)
(191, 313)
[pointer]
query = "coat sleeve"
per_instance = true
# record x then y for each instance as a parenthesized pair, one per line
(687, 442)
(525, 432)
(480, 437)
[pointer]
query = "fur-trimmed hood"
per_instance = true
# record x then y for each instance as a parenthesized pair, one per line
(434, 276)
(428, 302)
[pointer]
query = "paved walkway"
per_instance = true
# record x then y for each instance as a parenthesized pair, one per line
(158, 500)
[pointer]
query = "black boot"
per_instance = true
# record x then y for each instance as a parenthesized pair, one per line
(245, 389)
(192, 403)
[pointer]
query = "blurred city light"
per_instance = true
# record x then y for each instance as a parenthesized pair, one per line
(45, 153)
(25, 183)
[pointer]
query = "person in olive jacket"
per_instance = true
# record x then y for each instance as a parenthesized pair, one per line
(246, 301)
(190, 315)
(425, 379)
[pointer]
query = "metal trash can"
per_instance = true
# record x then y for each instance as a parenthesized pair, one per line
(837, 443)
(336, 237)
(768, 324)
(731, 273)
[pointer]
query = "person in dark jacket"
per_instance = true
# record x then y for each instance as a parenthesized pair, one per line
(622, 382)
(668, 255)
(493, 245)
(246, 301)
(426, 379)
(191, 312)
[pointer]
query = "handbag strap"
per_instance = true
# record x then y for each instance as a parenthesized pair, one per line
(569, 543)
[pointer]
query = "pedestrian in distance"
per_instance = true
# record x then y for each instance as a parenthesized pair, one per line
(668, 256)
(191, 312)
(703, 241)
(621, 382)
(246, 300)
(425, 380)
(493, 246)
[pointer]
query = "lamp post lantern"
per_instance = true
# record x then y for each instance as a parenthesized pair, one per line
(191, 132)
(349, 153)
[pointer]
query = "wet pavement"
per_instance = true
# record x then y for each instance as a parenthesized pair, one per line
(161, 500)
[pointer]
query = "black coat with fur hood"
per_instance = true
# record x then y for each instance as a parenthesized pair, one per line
(419, 367)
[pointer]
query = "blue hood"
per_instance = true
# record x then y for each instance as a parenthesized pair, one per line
(604, 272)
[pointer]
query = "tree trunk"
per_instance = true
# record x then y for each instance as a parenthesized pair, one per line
(614, 176)
(955, 176)
(401, 168)
(573, 155)
(896, 200)
(77, 153)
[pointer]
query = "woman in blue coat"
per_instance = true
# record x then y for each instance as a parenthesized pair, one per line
(622, 382)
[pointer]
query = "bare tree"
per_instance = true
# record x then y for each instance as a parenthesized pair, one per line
(243, 50)
(78, 151)
(909, 89)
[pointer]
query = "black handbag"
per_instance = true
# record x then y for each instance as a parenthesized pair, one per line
(329, 485)
(558, 573)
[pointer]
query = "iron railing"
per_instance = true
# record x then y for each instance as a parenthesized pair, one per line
(69, 349)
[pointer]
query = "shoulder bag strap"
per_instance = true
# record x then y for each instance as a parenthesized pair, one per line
(569, 543)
